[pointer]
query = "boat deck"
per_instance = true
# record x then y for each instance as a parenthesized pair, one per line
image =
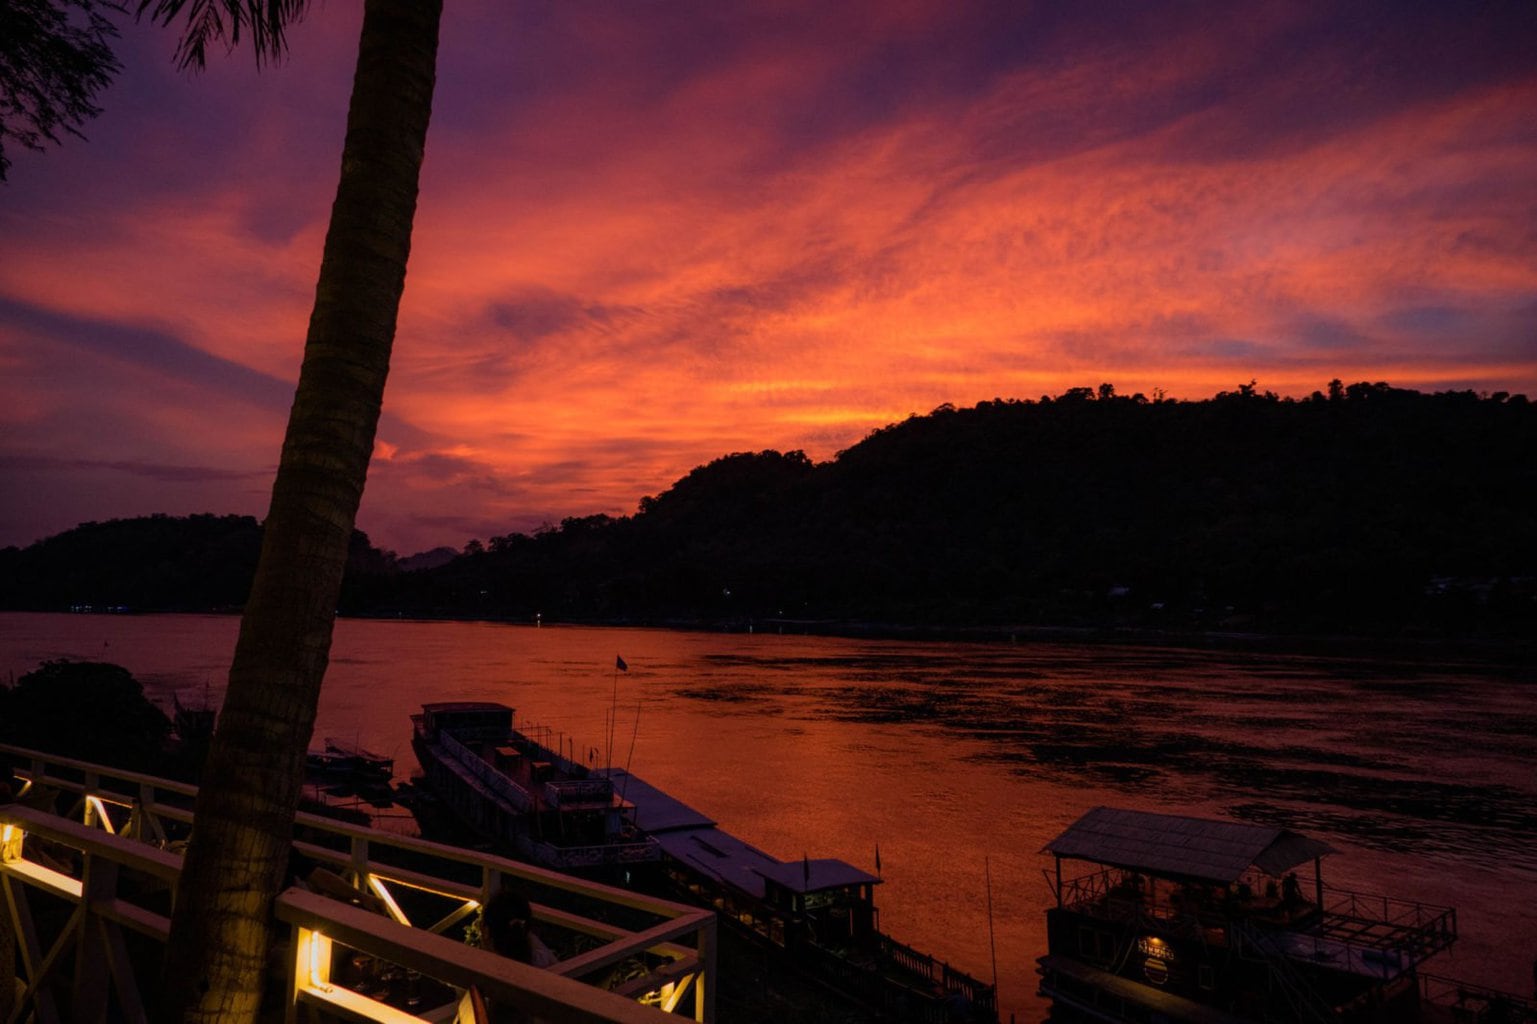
(1109, 996)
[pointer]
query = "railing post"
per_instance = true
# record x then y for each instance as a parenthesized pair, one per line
(359, 862)
(704, 985)
(90, 788)
(92, 977)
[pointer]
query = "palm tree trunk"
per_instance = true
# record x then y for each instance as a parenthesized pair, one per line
(221, 928)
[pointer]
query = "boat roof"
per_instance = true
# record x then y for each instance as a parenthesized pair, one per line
(655, 811)
(746, 868)
(719, 855)
(1177, 846)
(817, 875)
(692, 837)
(465, 705)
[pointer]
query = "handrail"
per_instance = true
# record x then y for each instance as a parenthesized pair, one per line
(680, 945)
(1476, 1002)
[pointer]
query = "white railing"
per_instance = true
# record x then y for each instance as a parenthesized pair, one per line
(110, 858)
(490, 776)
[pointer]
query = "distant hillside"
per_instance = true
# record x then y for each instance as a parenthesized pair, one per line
(152, 563)
(1367, 509)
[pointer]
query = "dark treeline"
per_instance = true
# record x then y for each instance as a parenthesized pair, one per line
(1365, 509)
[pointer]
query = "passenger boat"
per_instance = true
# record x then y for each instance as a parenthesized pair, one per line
(820, 913)
(543, 807)
(1206, 921)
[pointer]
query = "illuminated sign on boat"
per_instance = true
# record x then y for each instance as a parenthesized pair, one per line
(1153, 946)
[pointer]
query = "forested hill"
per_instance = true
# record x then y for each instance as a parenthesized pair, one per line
(1369, 509)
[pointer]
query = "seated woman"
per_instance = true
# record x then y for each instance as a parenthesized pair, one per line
(506, 927)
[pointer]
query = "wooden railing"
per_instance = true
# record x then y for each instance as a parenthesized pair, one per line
(88, 861)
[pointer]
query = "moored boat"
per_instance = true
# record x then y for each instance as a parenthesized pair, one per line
(363, 765)
(514, 791)
(1207, 921)
(820, 913)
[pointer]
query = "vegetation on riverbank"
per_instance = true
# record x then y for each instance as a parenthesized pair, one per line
(1367, 510)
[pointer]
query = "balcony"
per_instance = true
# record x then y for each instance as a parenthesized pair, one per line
(89, 863)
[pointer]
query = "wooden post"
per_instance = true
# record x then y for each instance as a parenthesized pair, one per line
(7, 952)
(92, 978)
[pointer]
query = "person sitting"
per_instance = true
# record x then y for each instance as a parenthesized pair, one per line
(506, 927)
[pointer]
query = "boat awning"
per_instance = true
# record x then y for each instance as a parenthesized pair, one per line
(1175, 846)
(816, 875)
(655, 811)
(721, 856)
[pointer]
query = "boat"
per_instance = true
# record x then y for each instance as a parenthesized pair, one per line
(522, 796)
(362, 765)
(1207, 921)
(819, 913)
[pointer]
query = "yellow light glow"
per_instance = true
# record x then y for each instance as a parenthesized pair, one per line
(315, 959)
(101, 813)
(377, 885)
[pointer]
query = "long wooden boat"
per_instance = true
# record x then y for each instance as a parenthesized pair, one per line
(543, 807)
(819, 913)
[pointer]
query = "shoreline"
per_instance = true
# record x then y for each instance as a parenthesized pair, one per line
(1510, 652)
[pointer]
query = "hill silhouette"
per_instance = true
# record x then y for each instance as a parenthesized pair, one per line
(1367, 509)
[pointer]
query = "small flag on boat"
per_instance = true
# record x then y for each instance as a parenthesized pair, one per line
(620, 665)
(877, 859)
(806, 869)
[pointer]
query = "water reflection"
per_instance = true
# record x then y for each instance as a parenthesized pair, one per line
(946, 754)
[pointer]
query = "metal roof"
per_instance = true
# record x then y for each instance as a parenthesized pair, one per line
(1175, 846)
(721, 856)
(655, 811)
(816, 875)
(692, 837)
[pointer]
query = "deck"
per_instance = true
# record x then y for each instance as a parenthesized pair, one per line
(102, 844)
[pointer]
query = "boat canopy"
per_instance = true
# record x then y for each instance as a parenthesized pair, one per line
(1175, 846)
(655, 811)
(816, 875)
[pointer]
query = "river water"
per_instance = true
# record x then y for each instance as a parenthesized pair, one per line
(960, 761)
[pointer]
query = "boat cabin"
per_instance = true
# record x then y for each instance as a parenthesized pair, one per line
(1193, 919)
(469, 721)
(834, 899)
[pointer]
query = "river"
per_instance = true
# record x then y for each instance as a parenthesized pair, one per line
(960, 761)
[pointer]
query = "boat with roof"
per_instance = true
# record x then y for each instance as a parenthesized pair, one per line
(536, 803)
(818, 913)
(1209, 922)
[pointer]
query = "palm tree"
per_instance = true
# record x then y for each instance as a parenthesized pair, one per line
(222, 923)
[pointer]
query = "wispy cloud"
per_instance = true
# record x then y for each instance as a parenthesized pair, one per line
(649, 235)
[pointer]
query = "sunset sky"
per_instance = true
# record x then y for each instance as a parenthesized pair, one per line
(652, 233)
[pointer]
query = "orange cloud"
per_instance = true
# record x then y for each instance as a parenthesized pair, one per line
(646, 242)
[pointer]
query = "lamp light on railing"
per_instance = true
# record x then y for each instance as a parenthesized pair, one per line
(95, 804)
(382, 891)
(314, 959)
